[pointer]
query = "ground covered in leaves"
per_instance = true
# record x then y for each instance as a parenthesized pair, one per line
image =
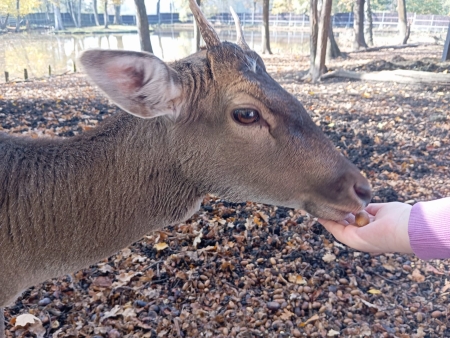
(251, 270)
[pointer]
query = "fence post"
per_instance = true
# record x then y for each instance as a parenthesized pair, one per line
(431, 24)
(49, 70)
(349, 20)
(6, 76)
(25, 74)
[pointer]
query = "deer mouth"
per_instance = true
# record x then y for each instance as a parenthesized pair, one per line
(331, 212)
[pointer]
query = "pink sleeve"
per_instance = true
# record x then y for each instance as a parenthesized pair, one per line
(429, 229)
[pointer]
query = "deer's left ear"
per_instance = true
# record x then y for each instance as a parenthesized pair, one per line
(139, 83)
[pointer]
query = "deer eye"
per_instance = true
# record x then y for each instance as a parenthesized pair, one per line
(246, 115)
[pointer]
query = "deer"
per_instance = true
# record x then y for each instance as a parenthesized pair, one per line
(214, 122)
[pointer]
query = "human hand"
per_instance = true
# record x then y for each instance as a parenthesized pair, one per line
(386, 232)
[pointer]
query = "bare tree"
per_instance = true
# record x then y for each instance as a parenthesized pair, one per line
(197, 35)
(314, 25)
(73, 12)
(402, 21)
(105, 13)
(18, 19)
(446, 52)
(318, 67)
(79, 13)
(142, 25)
(158, 11)
(59, 25)
(94, 6)
(4, 23)
(117, 17)
(265, 30)
(369, 23)
(333, 50)
(358, 25)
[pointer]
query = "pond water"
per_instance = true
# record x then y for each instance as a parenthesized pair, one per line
(37, 51)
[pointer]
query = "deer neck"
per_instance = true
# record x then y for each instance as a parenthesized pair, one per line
(84, 198)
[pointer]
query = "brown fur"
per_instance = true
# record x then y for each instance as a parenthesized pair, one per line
(68, 203)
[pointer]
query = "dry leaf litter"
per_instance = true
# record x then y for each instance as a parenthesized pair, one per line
(252, 270)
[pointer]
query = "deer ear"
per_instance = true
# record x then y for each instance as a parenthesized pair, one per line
(139, 83)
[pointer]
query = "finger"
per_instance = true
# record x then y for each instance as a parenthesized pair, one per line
(350, 219)
(374, 207)
(336, 229)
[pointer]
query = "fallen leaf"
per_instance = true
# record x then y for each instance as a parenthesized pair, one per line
(374, 291)
(162, 236)
(296, 279)
(420, 333)
(446, 286)
(103, 282)
(431, 268)
(286, 315)
(115, 311)
(389, 267)
(105, 268)
(417, 276)
(197, 240)
(329, 257)
(312, 319)
(226, 265)
(31, 323)
(161, 246)
(181, 275)
(332, 333)
(263, 215)
(365, 302)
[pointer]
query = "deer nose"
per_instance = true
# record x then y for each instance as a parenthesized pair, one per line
(363, 191)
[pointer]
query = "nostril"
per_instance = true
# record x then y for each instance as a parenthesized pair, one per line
(364, 192)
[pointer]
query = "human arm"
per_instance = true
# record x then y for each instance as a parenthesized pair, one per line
(423, 229)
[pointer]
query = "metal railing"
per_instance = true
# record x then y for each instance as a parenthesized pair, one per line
(381, 20)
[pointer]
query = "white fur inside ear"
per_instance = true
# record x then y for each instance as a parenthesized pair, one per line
(139, 83)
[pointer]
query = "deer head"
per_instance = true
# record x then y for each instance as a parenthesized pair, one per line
(233, 130)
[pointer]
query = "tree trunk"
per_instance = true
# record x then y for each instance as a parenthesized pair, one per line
(105, 14)
(117, 17)
(4, 24)
(358, 25)
(158, 11)
(402, 21)
(266, 33)
(142, 25)
(446, 52)
(324, 28)
(369, 24)
(59, 25)
(47, 10)
(197, 33)
(79, 13)
(313, 22)
(94, 5)
(71, 8)
(253, 12)
(18, 16)
(333, 50)
(18, 23)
